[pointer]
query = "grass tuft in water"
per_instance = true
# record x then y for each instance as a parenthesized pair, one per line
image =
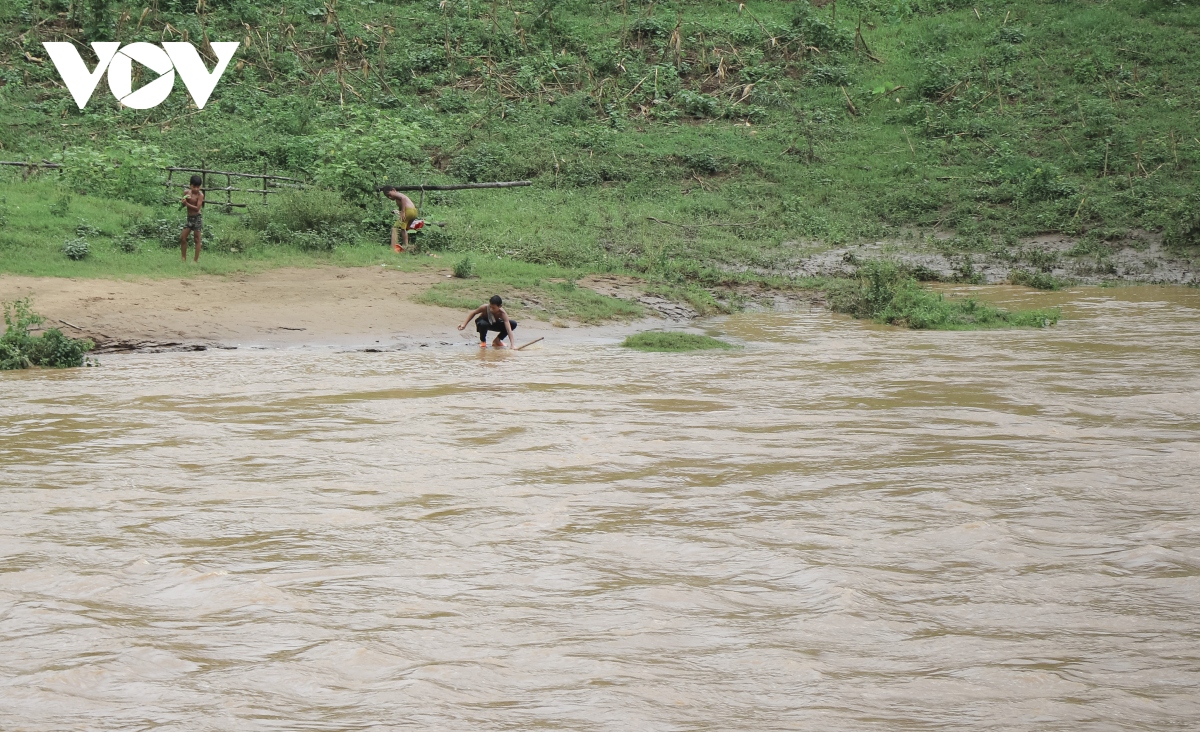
(660, 342)
(883, 293)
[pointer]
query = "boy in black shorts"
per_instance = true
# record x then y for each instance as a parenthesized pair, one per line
(194, 202)
(492, 316)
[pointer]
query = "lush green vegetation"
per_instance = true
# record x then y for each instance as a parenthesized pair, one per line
(660, 342)
(695, 143)
(887, 294)
(20, 349)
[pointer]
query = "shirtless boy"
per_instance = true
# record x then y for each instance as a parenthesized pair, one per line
(407, 210)
(492, 317)
(194, 202)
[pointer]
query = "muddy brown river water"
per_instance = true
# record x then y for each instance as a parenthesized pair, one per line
(839, 527)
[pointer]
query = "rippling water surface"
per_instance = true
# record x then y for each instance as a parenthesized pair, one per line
(840, 527)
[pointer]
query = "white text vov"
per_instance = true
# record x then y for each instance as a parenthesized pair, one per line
(164, 61)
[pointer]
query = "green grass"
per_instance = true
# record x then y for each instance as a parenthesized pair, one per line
(1027, 118)
(660, 342)
(886, 294)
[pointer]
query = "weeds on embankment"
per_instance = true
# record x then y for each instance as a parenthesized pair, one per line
(662, 139)
(886, 294)
(20, 349)
(661, 342)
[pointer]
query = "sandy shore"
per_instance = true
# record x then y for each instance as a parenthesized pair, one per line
(354, 307)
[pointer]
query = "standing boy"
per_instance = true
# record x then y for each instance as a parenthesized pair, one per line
(194, 202)
(407, 212)
(492, 317)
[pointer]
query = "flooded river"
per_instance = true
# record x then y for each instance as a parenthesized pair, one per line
(839, 527)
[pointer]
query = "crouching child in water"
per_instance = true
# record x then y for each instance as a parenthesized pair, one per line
(492, 317)
(194, 203)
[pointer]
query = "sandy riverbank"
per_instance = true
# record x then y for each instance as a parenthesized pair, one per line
(360, 307)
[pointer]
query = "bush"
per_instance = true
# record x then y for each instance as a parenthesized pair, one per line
(310, 209)
(698, 105)
(127, 244)
(936, 78)
(162, 231)
(885, 294)
(1183, 232)
(573, 109)
(464, 268)
(704, 162)
(76, 249)
(489, 162)
(1036, 280)
(828, 75)
(84, 229)
(816, 32)
(61, 205)
(324, 240)
(453, 101)
(237, 239)
(435, 239)
(1045, 183)
(19, 349)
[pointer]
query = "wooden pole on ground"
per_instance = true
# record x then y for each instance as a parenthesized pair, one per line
(527, 345)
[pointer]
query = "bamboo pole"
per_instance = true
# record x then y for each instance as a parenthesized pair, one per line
(466, 186)
(42, 164)
(229, 172)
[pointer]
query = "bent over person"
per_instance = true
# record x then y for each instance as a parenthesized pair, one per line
(492, 316)
(406, 212)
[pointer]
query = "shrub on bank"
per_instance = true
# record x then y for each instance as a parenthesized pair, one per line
(886, 294)
(314, 220)
(20, 349)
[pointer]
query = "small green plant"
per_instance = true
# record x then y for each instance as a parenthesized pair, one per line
(1036, 280)
(237, 240)
(61, 206)
(966, 272)
(20, 349)
(662, 342)
(3, 210)
(464, 268)
(76, 249)
(84, 229)
(698, 105)
(127, 244)
(163, 231)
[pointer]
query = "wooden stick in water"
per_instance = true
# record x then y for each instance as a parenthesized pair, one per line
(527, 345)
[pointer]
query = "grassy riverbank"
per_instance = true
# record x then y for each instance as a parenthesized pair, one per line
(695, 145)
